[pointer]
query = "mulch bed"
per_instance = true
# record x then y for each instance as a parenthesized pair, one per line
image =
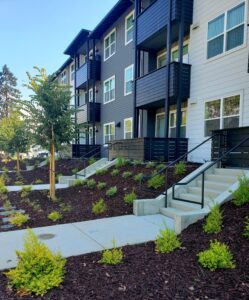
(80, 198)
(11, 165)
(147, 275)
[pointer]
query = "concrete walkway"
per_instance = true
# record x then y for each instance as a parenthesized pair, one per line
(86, 237)
(35, 187)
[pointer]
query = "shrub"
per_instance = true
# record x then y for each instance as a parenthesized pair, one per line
(5, 169)
(55, 216)
(113, 256)
(160, 166)
(114, 172)
(78, 182)
(101, 185)
(18, 182)
(137, 163)
(138, 177)
(218, 256)
(246, 230)
(150, 164)
(112, 191)
(180, 168)
(91, 183)
(121, 162)
(92, 160)
(3, 188)
(38, 269)
(241, 195)
(156, 182)
(167, 241)
(25, 191)
(101, 172)
(75, 171)
(213, 222)
(129, 198)
(19, 219)
(7, 205)
(65, 207)
(126, 174)
(38, 181)
(99, 207)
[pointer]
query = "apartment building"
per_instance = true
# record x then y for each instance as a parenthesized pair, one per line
(158, 76)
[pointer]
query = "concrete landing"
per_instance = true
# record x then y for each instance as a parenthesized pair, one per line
(35, 187)
(86, 237)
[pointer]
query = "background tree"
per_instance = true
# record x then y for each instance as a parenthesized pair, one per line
(8, 92)
(50, 116)
(14, 136)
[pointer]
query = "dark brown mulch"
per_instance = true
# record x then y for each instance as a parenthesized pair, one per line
(147, 275)
(82, 198)
(11, 165)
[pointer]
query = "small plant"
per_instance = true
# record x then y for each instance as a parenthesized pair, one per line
(5, 170)
(65, 207)
(75, 171)
(101, 171)
(138, 177)
(126, 174)
(78, 182)
(54, 216)
(3, 188)
(246, 229)
(38, 269)
(113, 256)
(150, 164)
(92, 160)
(18, 182)
(38, 181)
(121, 162)
(99, 207)
(213, 222)
(57, 177)
(156, 182)
(101, 185)
(114, 172)
(160, 166)
(167, 241)
(129, 198)
(112, 191)
(7, 205)
(91, 183)
(19, 219)
(137, 163)
(180, 168)
(218, 256)
(241, 195)
(25, 191)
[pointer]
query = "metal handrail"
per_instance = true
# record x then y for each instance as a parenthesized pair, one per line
(202, 172)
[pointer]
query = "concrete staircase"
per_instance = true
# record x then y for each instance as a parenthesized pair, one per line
(218, 185)
(102, 163)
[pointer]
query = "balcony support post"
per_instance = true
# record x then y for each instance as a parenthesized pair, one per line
(87, 87)
(94, 96)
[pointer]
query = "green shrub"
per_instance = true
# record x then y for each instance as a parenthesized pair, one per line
(7, 205)
(38, 269)
(241, 195)
(5, 169)
(38, 181)
(156, 182)
(3, 188)
(113, 256)
(18, 182)
(101, 185)
(214, 219)
(55, 216)
(75, 171)
(92, 160)
(137, 163)
(65, 207)
(129, 198)
(180, 168)
(114, 172)
(121, 162)
(91, 183)
(150, 164)
(246, 230)
(101, 172)
(78, 182)
(126, 174)
(25, 191)
(19, 219)
(167, 241)
(218, 256)
(160, 166)
(99, 207)
(138, 177)
(57, 177)
(112, 191)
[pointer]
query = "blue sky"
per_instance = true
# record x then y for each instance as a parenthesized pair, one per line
(36, 32)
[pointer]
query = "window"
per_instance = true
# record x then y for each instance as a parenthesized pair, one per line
(109, 90)
(226, 32)
(110, 44)
(128, 128)
(91, 95)
(109, 132)
(91, 135)
(128, 78)
(72, 72)
(129, 28)
(222, 113)
(175, 54)
(161, 60)
(64, 77)
(172, 123)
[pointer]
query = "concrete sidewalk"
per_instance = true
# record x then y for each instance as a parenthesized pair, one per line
(86, 237)
(35, 187)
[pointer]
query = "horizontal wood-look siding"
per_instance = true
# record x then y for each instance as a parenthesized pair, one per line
(82, 73)
(86, 151)
(86, 112)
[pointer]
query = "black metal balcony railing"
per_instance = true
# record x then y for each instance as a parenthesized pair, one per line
(87, 72)
(152, 87)
(88, 112)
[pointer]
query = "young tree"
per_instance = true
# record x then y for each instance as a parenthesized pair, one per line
(8, 92)
(14, 136)
(50, 115)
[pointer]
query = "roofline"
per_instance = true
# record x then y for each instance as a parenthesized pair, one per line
(85, 32)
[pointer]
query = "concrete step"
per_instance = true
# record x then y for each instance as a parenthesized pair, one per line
(184, 206)
(221, 178)
(170, 212)
(196, 190)
(193, 197)
(214, 185)
(229, 172)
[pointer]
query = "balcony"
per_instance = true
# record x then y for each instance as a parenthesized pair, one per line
(87, 72)
(151, 88)
(155, 17)
(87, 113)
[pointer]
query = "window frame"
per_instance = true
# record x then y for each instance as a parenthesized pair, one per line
(125, 132)
(64, 77)
(72, 71)
(132, 13)
(107, 37)
(127, 68)
(109, 79)
(108, 124)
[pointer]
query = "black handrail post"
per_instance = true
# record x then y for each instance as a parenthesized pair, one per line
(202, 189)
(166, 188)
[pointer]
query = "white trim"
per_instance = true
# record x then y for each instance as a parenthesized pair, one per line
(108, 79)
(128, 119)
(126, 18)
(105, 38)
(130, 66)
(106, 124)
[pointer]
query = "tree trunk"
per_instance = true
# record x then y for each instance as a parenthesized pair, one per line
(18, 162)
(52, 171)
